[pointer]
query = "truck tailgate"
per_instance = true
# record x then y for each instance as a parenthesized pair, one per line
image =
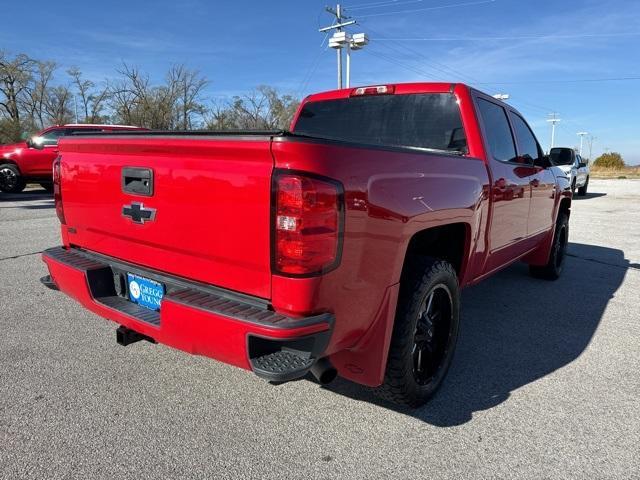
(211, 197)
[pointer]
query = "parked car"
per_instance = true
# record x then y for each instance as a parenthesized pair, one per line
(574, 166)
(337, 248)
(31, 160)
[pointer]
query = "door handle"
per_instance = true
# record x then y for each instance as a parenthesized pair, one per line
(138, 181)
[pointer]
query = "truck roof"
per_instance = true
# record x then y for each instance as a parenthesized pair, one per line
(399, 88)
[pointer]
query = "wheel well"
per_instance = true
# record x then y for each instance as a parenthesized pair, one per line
(448, 242)
(565, 206)
(6, 161)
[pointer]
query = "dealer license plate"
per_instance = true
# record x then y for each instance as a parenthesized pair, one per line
(145, 292)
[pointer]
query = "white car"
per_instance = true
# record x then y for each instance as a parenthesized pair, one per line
(573, 166)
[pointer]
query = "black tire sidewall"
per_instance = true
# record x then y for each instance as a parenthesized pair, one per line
(20, 183)
(409, 315)
(563, 224)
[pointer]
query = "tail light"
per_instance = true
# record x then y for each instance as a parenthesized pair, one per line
(308, 223)
(57, 189)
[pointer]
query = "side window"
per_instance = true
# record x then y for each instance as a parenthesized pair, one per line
(497, 130)
(51, 137)
(527, 143)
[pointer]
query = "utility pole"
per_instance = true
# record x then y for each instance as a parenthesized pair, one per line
(591, 140)
(553, 121)
(581, 135)
(341, 39)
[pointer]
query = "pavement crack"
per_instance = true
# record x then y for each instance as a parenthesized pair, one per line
(632, 266)
(21, 255)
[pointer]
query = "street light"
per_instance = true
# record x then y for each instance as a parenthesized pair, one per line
(582, 135)
(358, 41)
(342, 39)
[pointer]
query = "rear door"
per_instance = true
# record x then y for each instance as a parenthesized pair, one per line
(542, 181)
(511, 188)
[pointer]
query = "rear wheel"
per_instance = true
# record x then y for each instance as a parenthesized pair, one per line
(573, 186)
(10, 179)
(424, 334)
(582, 191)
(553, 269)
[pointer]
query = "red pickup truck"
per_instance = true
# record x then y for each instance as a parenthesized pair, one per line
(31, 160)
(339, 247)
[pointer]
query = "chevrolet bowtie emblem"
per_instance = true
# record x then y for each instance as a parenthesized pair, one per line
(138, 213)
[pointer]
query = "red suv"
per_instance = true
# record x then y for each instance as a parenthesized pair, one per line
(32, 160)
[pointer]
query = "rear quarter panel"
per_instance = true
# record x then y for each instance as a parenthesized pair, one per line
(390, 195)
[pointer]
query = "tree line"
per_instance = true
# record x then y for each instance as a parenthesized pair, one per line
(34, 95)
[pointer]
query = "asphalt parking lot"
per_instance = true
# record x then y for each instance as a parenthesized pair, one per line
(545, 383)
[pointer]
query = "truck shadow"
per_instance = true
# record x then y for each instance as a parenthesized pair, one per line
(34, 198)
(516, 330)
(589, 196)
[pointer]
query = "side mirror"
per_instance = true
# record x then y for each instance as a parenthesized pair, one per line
(543, 161)
(35, 142)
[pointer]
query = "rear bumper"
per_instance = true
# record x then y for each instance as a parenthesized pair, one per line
(196, 318)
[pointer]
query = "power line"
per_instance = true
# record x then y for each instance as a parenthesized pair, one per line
(384, 3)
(312, 69)
(514, 37)
(403, 49)
(397, 48)
(579, 80)
(401, 64)
(439, 7)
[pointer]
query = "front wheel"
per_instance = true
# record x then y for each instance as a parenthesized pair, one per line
(10, 179)
(424, 334)
(582, 191)
(553, 269)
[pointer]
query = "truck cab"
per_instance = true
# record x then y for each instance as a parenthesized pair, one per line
(573, 166)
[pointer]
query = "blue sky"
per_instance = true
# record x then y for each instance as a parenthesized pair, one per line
(528, 49)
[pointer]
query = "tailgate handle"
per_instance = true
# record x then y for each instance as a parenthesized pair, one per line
(138, 181)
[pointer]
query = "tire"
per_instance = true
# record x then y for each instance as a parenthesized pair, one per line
(424, 336)
(11, 180)
(582, 191)
(553, 269)
(573, 186)
(47, 186)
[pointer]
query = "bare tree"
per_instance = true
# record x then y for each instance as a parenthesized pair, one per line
(189, 86)
(37, 93)
(261, 109)
(15, 76)
(31, 98)
(93, 99)
(58, 105)
(176, 104)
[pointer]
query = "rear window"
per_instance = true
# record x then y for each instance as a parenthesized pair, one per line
(418, 120)
(561, 156)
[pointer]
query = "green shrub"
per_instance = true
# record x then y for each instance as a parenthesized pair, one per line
(609, 160)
